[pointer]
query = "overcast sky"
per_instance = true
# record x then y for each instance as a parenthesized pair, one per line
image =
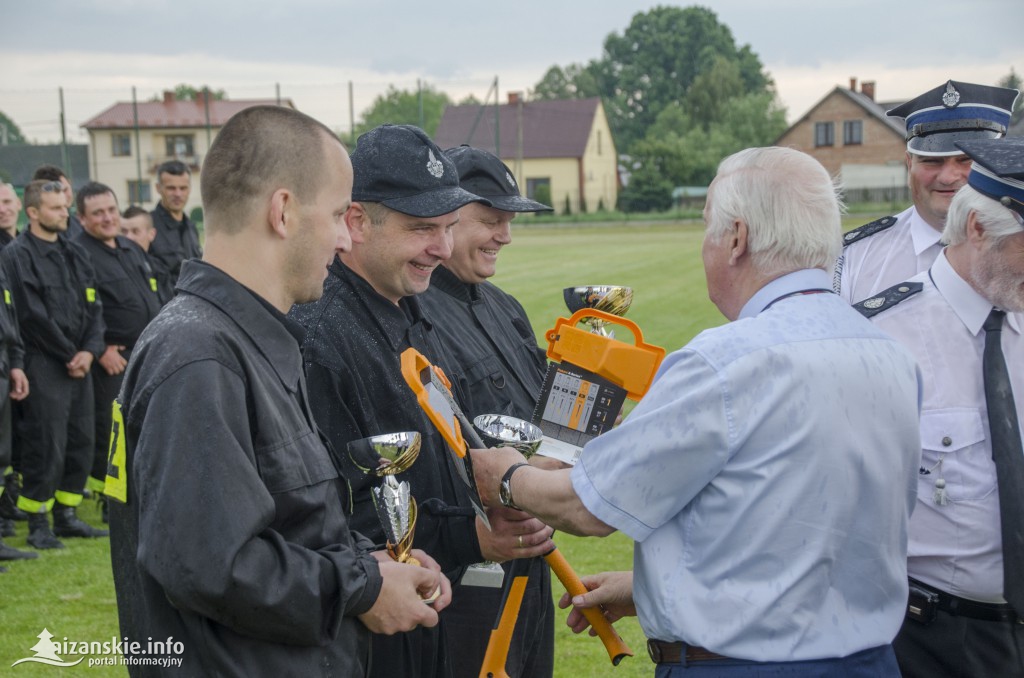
(98, 49)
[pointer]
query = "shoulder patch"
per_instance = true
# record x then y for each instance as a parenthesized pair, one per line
(887, 298)
(867, 230)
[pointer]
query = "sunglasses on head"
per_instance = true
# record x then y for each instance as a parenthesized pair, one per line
(52, 187)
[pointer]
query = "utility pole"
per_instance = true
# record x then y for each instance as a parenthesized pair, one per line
(497, 119)
(138, 149)
(206, 112)
(277, 92)
(519, 136)
(64, 139)
(351, 118)
(419, 94)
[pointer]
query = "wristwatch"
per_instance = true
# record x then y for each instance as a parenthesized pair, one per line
(505, 489)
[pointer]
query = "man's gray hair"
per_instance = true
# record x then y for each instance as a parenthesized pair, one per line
(789, 203)
(999, 221)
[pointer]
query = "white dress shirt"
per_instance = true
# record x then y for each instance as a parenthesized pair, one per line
(892, 256)
(956, 547)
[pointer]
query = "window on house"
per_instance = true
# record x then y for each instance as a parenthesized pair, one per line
(853, 132)
(138, 192)
(179, 145)
(824, 133)
(539, 189)
(121, 145)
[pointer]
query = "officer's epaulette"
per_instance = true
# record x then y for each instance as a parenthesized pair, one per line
(888, 298)
(868, 230)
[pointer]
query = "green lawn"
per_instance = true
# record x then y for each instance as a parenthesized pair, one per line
(70, 591)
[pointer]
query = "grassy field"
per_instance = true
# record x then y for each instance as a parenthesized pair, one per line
(70, 592)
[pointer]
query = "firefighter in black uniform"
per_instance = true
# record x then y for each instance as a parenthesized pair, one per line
(128, 290)
(177, 237)
(406, 199)
(268, 580)
(494, 355)
(13, 382)
(54, 289)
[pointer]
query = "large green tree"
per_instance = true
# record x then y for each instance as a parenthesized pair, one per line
(14, 135)
(680, 95)
(402, 107)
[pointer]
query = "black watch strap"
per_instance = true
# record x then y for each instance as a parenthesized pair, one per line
(505, 493)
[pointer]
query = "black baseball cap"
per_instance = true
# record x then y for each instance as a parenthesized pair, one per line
(399, 167)
(484, 174)
(952, 112)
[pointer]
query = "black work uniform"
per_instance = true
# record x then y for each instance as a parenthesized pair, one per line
(128, 289)
(354, 339)
(175, 241)
(12, 356)
(233, 539)
(492, 353)
(60, 314)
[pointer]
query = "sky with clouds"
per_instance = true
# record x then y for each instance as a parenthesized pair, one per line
(97, 50)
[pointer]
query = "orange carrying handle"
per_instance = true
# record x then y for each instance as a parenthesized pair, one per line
(631, 366)
(617, 648)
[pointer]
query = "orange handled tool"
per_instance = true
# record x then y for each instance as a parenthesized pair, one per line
(505, 622)
(433, 392)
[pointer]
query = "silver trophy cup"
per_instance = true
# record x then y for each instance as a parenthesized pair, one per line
(614, 299)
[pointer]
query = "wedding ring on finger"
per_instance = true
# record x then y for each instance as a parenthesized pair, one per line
(520, 538)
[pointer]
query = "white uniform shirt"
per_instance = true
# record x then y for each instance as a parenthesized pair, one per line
(887, 258)
(956, 548)
(767, 478)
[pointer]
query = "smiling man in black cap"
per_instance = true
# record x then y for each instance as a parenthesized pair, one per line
(495, 357)
(963, 320)
(406, 200)
(892, 249)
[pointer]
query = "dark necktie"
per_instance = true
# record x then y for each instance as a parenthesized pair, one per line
(1008, 457)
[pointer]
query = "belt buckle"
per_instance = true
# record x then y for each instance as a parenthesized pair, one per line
(654, 650)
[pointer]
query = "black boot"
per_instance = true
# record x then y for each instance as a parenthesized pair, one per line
(67, 524)
(39, 534)
(9, 499)
(11, 553)
(6, 528)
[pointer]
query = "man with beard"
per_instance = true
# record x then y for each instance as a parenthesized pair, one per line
(892, 249)
(54, 173)
(54, 289)
(966, 551)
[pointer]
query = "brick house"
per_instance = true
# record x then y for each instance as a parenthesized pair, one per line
(848, 132)
(167, 130)
(562, 148)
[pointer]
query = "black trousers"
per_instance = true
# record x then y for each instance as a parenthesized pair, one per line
(953, 646)
(105, 389)
(420, 653)
(470, 617)
(5, 427)
(55, 431)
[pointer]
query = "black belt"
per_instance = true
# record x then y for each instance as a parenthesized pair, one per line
(662, 652)
(962, 607)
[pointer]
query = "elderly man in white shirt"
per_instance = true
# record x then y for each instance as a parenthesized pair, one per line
(966, 551)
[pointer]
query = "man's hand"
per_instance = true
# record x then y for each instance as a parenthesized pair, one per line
(513, 534)
(488, 468)
(19, 384)
(400, 606)
(612, 590)
(112, 362)
(79, 365)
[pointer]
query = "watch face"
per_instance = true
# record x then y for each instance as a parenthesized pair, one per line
(505, 493)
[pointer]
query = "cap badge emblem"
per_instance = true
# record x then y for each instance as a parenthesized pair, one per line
(434, 165)
(511, 181)
(874, 302)
(950, 97)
